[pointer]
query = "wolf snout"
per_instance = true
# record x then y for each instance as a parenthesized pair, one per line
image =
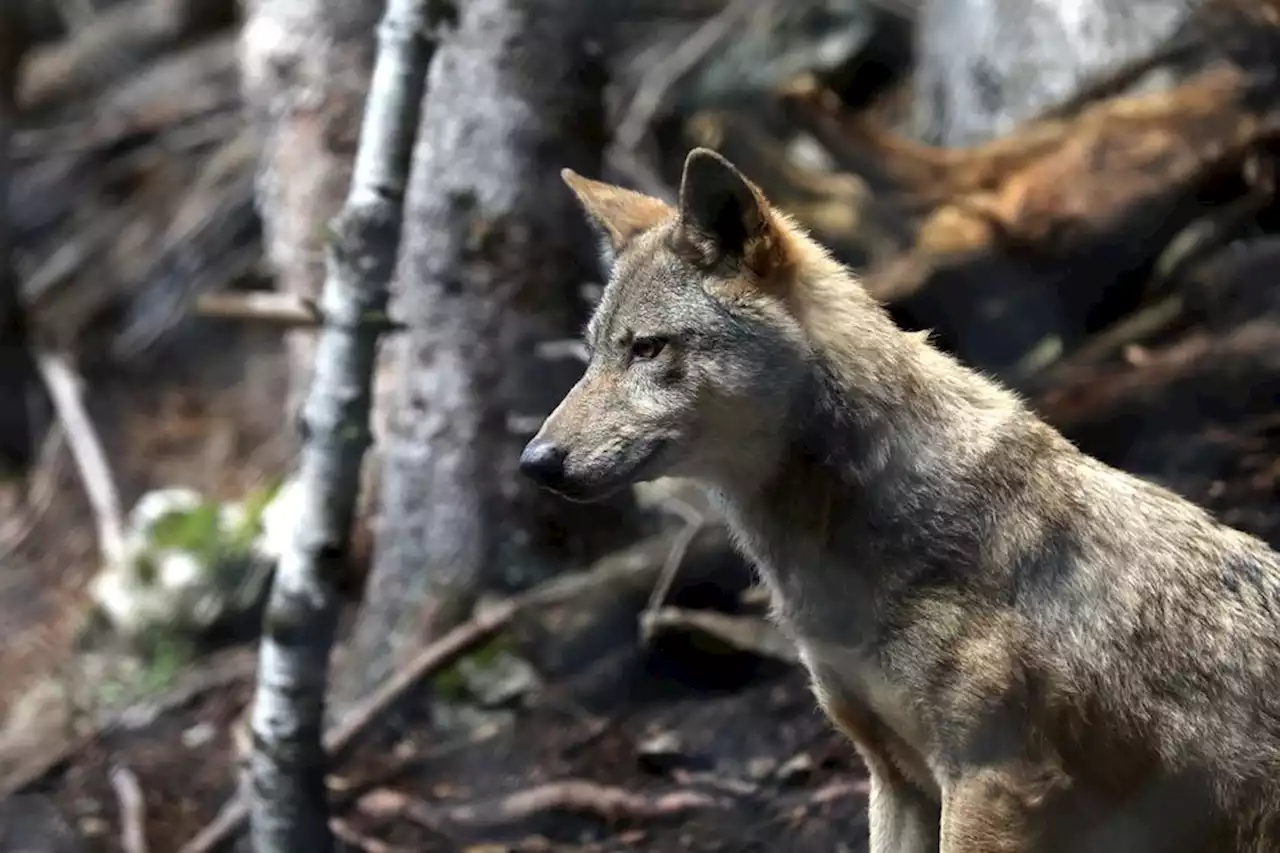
(543, 462)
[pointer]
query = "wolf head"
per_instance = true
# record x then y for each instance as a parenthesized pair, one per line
(696, 353)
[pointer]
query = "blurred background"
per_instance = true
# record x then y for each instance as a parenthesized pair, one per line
(1076, 197)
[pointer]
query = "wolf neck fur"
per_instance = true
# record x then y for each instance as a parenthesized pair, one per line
(884, 421)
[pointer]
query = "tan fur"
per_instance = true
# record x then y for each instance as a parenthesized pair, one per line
(1031, 650)
(619, 212)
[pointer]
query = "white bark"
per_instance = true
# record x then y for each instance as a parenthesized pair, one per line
(287, 769)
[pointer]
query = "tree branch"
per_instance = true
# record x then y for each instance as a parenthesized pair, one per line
(289, 807)
(91, 459)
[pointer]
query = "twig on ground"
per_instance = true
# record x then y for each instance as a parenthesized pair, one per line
(95, 473)
(632, 564)
(133, 821)
(608, 802)
(693, 521)
(357, 840)
(838, 790)
(745, 633)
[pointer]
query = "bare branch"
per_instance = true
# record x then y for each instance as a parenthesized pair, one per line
(287, 769)
(608, 802)
(95, 472)
(280, 309)
(277, 309)
(751, 634)
(357, 840)
(693, 522)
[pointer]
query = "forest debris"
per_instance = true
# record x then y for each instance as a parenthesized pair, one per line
(357, 840)
(693, 523)
(27, 768)
(660, 751)
(796, 769)
(837, 790)
(95, 473)
(273, 308)
(607, 802)
(744, 633)
(133, 821)
(632, 566)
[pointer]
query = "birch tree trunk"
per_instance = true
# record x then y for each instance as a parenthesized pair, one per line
(495, 256)
(287, 769)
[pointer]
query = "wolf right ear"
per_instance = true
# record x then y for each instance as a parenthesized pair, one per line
(722, 214)
(616, 214)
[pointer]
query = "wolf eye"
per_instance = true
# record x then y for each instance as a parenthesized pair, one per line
(647, 348)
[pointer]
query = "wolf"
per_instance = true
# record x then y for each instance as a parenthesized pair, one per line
(1031, 651)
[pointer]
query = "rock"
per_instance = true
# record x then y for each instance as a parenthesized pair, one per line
(659, 752)
(761, 767)
(498, 680)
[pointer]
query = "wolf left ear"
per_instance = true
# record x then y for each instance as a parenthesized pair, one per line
(616, 214)
(722, 214)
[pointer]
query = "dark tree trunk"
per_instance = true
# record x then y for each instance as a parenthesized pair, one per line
(494, 257)
(17, 371)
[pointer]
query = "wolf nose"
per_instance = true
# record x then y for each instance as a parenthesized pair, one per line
(542, 462)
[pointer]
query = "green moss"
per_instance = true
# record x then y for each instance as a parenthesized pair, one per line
(197, 531)
(167, 653)
(200, 532)
(451, 683)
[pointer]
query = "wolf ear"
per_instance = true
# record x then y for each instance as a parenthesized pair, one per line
(722, 213)
(616, 214)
